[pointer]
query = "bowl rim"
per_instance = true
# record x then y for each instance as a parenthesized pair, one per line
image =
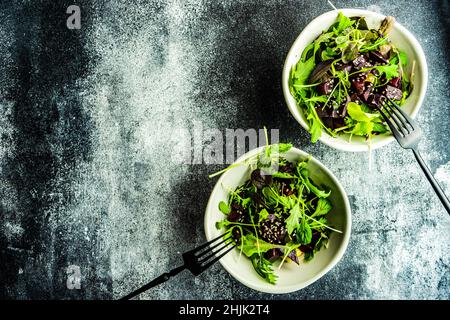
(209, 226)
(325, 137)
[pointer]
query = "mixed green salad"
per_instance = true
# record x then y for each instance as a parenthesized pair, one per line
(279, 214)
(346, 74)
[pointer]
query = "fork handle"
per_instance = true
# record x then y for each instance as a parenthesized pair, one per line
(162, 278)
(433, 181)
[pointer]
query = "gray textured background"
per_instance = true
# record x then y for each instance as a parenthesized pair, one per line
(87, 121)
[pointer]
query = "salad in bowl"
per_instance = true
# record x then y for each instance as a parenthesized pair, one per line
(335, 84)
(288, 216)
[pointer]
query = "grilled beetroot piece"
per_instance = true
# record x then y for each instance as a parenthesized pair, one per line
(358, 84)
(236, 234)
(323, 112)
(273, 231)
(359, 62)
(365, 95)
(354, 97)
(341, 112)
(343, 67)
(233, 216)
(286, 189)
(377, 57)
(260, 180)
(328, 122)
(326, 87)
(338, 123)
(395, 82)
(236, 214)
(335, 113)
(376, 100)
(393, 93)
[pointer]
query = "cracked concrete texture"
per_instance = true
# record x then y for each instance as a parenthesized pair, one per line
(89, 119)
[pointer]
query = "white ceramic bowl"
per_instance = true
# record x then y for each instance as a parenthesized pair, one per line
(399, 36)
(291, 276)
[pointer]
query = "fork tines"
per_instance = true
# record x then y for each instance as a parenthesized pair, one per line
(404, 124)
(200, 258)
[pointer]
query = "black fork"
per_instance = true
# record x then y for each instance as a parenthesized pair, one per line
(408, 135)
(196, 261)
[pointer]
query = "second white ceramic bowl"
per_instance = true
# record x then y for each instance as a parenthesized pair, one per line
(399, 35)
(291, 276)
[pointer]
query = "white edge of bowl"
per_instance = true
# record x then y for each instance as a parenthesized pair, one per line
(286, 289)
(326, 138)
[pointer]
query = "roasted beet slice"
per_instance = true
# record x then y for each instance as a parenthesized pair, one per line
(260, 180)
(328, 122)
(339, 66)
(234, 216)
(358, 84)
(286, 189)
(359, 62)
(365, 95)
(354, 97)
(377, 57)
(323, 112)
(237, 213)
(376, 100)
(393, 93)
(396, 82)
(341, 112)
(273, 231)
(338, 123)
(325, 87)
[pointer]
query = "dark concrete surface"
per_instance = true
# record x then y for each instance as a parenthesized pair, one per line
(88, 123)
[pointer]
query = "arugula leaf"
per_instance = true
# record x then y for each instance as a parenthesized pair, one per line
(263, 215)
(315, 124)
(356, 113)
(222, 224)
(282, 175)
(349, 53)
(269, 195)
(246, 202)
(264, 268)
(323, 99)
(363, 128)
(390, 71)
(320, 193)
(322, 38)
(225, 208)
(251, 245)
(343, 22)
(303, 70)
(280, 147)
(323, 207)
(292, 222)
(379, 127)
(306, 53)
(304, 233)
